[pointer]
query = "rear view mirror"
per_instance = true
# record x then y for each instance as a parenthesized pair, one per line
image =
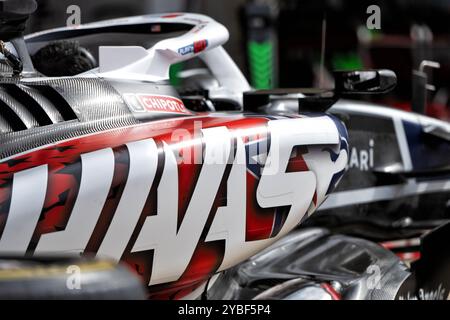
(364, 82)
(319, 100)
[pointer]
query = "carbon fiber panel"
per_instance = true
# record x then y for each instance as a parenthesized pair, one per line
(5, 68)
(45, 103)
(20, 110)
(91, 99)
(96, 103)
(4, 125)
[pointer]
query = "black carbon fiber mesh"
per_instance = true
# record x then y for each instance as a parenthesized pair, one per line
(390, 283)
(97, 105)
(19, 109)
(44, 102)
(5, 68)
(92, 99)
(18, 142)
(4, 125)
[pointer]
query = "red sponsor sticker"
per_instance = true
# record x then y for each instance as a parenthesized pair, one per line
(199, 46)
(171, 15)
(162, 104)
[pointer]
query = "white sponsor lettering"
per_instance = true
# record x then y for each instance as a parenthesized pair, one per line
(97, 173)
(24, 215)
(160, 231)
(143, 164)
(174, 247)
(362, 159)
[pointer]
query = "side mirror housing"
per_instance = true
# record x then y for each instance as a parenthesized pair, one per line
(364, 82)
(320, 100)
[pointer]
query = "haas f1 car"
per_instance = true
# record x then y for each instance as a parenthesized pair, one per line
(101, 156)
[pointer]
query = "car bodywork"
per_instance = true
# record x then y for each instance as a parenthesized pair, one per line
(313, 264)
(110, 163)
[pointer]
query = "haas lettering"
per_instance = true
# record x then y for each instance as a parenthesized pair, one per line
(291, 178)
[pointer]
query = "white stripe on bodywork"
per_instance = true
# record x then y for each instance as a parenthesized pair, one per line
(174, 248)
(403, 144)
(97, 169)
(28, 195)
(143, 165)
(369, 195)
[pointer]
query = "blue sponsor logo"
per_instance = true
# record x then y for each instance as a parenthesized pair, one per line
(186, 50)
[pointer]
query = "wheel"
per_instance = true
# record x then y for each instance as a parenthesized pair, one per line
(67, 278)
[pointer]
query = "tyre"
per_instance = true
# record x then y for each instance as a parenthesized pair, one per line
(67, 278)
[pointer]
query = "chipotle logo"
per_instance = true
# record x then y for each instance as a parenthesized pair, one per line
(155, 103)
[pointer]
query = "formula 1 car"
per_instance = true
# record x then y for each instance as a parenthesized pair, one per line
(111, 163)
(107, 159)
